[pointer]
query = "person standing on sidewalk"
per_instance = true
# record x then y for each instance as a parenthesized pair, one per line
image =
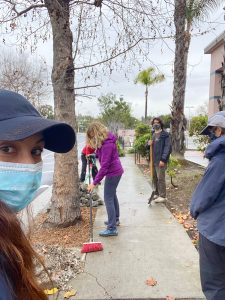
(99, 138)
(208, 207)
(24, 133)
(161, 152)
(88, 153)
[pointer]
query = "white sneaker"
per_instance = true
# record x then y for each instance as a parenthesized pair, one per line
(160, 200)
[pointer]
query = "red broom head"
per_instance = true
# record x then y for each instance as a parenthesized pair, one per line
(92, 247)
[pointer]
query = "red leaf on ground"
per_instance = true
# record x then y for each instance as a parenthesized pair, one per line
(151, 281)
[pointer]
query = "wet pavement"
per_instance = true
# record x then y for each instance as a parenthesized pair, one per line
(151, 243)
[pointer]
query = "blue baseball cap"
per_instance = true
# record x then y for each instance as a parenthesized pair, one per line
(217, 120)
(19, 120)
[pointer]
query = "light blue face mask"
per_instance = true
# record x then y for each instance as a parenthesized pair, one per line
(19, 183)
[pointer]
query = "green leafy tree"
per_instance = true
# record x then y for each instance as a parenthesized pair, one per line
(148, 78)
(83, 122)
(115, 114)
(46, 111)
(166, 120)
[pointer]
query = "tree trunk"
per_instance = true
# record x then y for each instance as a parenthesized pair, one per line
(65, 207)
(178, 121)
(146, 103)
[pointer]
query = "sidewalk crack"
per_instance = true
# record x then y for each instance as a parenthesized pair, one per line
(99, 284)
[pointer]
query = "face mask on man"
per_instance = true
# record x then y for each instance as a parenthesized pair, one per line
(156, 127)
(19, 183)
(212, 136)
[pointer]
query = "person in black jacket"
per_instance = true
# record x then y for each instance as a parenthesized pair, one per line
(161, 151)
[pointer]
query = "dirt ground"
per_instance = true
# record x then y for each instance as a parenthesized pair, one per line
(72, 236)
(187, 177)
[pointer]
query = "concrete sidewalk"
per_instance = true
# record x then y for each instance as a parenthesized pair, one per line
(196, 157)
(151, 243)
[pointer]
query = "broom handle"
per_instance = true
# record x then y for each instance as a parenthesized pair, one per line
(151, 162)
(91, 223)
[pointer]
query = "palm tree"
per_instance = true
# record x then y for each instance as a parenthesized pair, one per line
(186, 14)
(148, 77)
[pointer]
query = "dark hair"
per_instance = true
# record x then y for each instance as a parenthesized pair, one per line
(17, 258)
(222, 129)
(159, 120)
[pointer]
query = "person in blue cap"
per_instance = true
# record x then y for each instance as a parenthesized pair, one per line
(208, 207)
(24, 133)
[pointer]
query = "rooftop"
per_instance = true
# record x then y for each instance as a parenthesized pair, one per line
(215, 43)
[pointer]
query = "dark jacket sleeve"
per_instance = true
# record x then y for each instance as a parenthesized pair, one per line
(106, 158)
(166, 149)
(5, 291)
(208, 188)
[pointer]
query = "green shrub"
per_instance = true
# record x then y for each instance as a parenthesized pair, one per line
(140, 145)
(196, 126)
(131, 150)
(120, 149)
(172, 167)
(141, 129)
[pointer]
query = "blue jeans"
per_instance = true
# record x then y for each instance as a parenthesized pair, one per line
(111, 200)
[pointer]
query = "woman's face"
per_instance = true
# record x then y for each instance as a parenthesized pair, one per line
(27, 151)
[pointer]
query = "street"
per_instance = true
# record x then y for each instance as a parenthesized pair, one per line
(48, 164)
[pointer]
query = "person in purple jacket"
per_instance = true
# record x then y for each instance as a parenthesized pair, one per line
(99, 138)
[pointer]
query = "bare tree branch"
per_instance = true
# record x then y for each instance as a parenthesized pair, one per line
(87, 86)
(22, 12)
(118, 54)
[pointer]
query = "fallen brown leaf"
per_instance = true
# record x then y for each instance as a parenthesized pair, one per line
(151, 281)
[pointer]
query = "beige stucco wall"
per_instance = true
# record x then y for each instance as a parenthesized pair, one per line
(215, 79)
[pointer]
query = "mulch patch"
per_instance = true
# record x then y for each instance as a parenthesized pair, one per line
(72, 236)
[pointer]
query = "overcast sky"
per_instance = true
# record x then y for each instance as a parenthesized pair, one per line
(160, 95)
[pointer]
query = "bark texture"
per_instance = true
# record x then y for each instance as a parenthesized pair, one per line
(65, 207)
(182, 40)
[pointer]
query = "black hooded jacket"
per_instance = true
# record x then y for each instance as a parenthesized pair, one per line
(161, 147)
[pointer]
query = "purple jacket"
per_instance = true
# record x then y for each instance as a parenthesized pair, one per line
(109, 159)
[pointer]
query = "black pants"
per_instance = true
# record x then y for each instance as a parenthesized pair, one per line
(212, 269)
(94, 169)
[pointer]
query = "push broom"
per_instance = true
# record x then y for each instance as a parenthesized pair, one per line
(153, 193)
(91, 246)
